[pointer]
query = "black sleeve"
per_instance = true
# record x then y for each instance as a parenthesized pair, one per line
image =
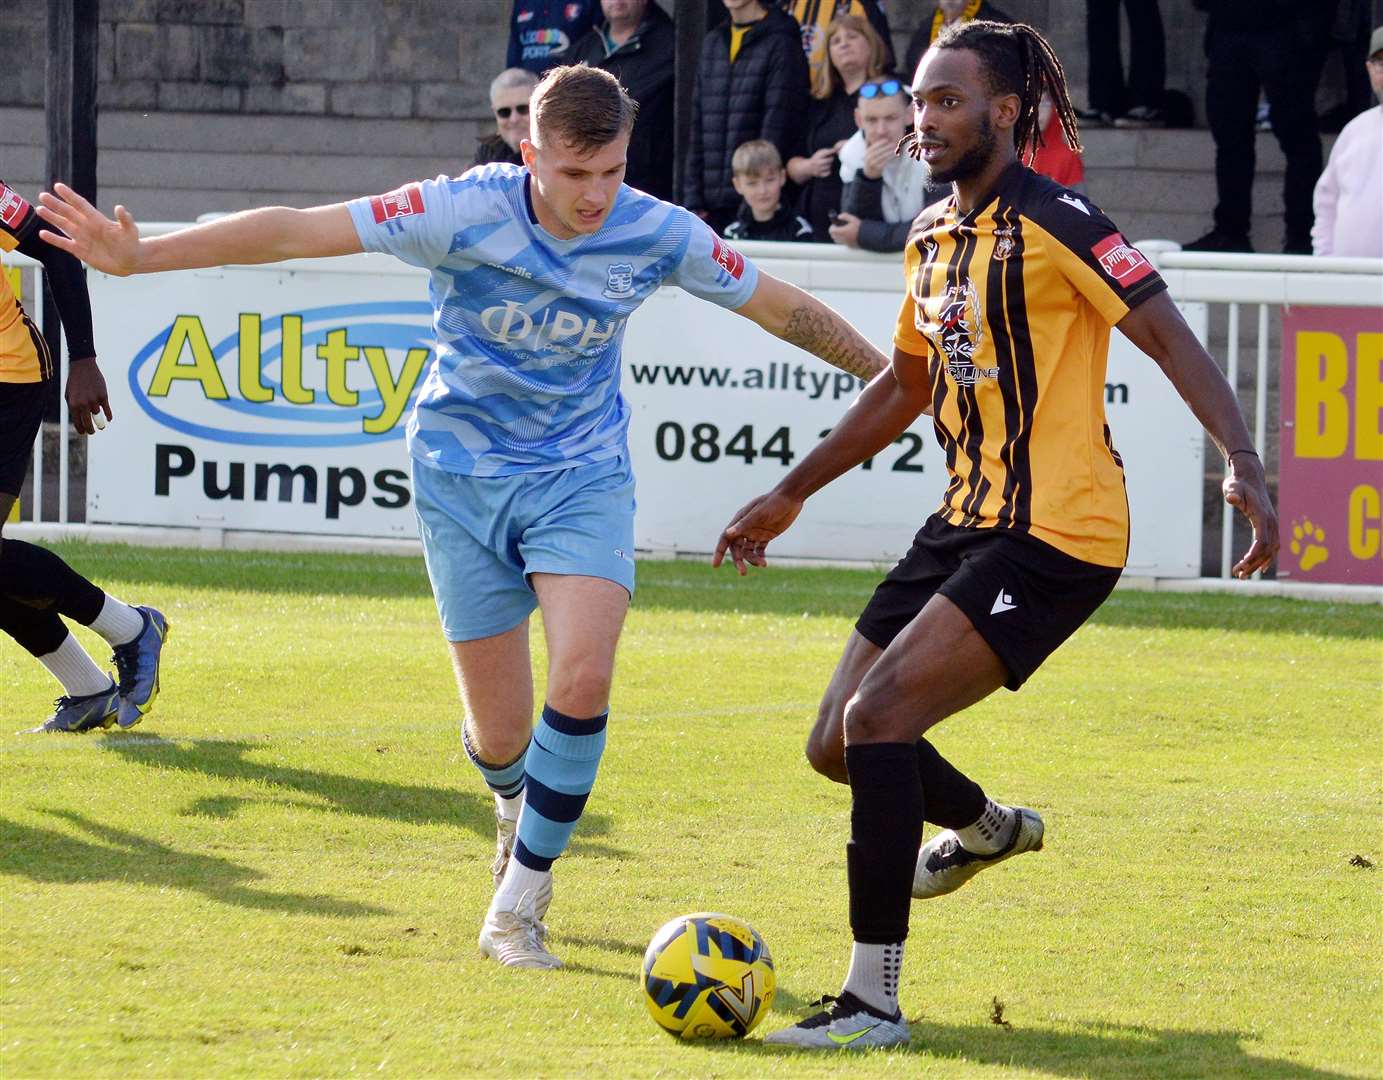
(865, 199)
(68, 282)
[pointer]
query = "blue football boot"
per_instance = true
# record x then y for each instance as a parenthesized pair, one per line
(78, 714)
(137, 663)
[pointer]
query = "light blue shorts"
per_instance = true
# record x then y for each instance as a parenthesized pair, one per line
(483, 535)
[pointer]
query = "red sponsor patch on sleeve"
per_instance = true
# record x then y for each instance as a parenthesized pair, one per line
(403, 202)
(13, 208)
(1121, 260)
(730, 260)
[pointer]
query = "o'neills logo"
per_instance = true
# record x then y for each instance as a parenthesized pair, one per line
(330, 376)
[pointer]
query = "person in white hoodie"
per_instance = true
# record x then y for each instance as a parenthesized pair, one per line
(1349, 194)
(884, 190)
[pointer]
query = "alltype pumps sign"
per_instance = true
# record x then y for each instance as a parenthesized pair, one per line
(255, 398)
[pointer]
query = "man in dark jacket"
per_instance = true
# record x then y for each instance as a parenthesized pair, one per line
(1275, 45)
(751, 83)
(637, 45)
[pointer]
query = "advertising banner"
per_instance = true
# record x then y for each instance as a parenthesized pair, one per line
(1330, 490)
(274, 398)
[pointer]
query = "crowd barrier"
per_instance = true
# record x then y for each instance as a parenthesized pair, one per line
(272, 399)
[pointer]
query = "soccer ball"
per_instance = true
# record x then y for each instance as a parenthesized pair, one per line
(707, 976)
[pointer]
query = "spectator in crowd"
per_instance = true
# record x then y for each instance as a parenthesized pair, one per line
(884, 190)
(1349, 39)
(637, 44)
(1136, 103)
(759, 176)
(1054, 157)
(751, 83)
(1349, 194)
(509, 94)
(855, 55)
(542, 32)
(1275, 45)
(946, 13)
(816, 16)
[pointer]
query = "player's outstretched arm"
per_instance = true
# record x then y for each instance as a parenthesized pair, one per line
(879, 415)
(801, 319)
(267, 235)
(1156, 327)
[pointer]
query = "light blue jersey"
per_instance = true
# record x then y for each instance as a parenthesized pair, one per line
(529, 327)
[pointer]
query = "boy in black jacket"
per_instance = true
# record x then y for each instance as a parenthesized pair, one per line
(758, 175)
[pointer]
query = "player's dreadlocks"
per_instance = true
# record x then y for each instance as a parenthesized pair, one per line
(1017, 60)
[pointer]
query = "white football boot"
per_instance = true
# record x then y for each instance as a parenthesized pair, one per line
(943, 865)
(517, 938)
(846, 1024)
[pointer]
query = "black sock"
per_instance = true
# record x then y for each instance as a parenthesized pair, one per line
(953, 799)
(36, 577)
(38, 631)
(885, 831)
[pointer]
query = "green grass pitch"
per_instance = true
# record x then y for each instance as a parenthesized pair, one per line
(282, 871)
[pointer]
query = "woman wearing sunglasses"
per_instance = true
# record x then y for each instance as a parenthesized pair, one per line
(509, 94)
(856, 54)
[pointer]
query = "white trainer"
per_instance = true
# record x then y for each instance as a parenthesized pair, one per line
(846, 1024)
(943, 865)
(517, 938)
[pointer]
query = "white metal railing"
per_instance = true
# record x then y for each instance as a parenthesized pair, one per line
(1266, 281)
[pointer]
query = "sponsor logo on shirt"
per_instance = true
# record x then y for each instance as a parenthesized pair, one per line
(730, 260)
(553, 329)
(1121, 260)
(403, 202)
(12, 207)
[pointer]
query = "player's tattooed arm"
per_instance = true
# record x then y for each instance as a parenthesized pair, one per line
(823, 332)
(798, 318)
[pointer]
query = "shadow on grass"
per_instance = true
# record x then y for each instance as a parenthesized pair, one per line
(413, 804)
(682, 585)
(50, 857)
(1103, 1052)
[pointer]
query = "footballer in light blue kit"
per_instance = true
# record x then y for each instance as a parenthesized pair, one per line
(521, 474)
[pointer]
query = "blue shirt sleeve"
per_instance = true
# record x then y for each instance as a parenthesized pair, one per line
(713, 270)
(414, 223)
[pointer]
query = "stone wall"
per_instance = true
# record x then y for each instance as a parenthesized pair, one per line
(426, 59)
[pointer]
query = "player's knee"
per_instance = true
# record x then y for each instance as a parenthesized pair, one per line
(580, 689)
(825, 747)
(870, 717)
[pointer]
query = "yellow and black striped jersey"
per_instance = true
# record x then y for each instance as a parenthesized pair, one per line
(24, 356)
(1011, 306)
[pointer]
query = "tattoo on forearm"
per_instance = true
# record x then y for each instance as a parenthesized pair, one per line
(830, 337)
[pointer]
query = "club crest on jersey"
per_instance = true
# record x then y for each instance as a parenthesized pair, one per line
(402, 202)
(572, 12)
(619, 281)
(1121, 260)
(12, 207)
(730, 260)
(958, 330)
(1003, 242)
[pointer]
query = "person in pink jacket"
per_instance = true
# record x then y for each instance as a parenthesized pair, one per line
(1349, 194)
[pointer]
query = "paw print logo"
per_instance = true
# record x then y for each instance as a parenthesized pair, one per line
(1308, 544)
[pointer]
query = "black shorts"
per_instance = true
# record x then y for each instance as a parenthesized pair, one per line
(21, 412)
(1023, 596)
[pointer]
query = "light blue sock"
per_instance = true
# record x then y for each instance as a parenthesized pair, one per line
(505, 780)
(562, 762)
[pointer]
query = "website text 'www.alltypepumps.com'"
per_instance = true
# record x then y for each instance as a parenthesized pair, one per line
(791, 378)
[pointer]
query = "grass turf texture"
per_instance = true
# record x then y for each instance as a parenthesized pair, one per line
(282, 872)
